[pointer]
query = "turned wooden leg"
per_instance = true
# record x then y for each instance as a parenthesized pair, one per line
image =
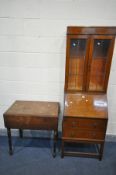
(62, 149)
(9, 141)
(54, 144)
(21, 133)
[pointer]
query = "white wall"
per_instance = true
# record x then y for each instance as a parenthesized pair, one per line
(32, 48)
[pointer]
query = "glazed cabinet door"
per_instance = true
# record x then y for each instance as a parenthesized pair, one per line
(101, 50)
(77, 56)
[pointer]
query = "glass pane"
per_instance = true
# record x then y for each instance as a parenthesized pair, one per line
(77, 55)
(97, 75)
(97, 83)
(76, 66)
(98, 67)
(76, 71)
(77, 47)
(101, 48)
(75, 82)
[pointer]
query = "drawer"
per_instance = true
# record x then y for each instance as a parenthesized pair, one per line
(83, 134)
(84, 123)
(30, 122)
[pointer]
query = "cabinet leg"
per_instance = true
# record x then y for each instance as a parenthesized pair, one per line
(101, 151)
(54, 144)
(9, 141)
(21, 133)
(62, 149)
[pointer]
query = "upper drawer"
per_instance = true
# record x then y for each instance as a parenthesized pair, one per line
(85, 123)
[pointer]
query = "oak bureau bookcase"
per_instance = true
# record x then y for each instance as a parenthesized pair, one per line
(88, 60)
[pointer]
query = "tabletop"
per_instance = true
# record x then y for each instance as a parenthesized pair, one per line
(33, 108)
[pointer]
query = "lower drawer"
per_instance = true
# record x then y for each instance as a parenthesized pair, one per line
(83, 134)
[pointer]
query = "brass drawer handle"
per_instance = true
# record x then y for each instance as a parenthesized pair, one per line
(74, 124)
(72, 134)
(95, 125)
(94, 134)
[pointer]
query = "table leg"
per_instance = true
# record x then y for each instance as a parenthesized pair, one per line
(62, 149)
(9, 141)
(54, 144)
(101, 151)
(21, 133)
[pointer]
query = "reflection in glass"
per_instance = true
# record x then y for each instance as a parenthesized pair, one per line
(77, 47)
(101, 48)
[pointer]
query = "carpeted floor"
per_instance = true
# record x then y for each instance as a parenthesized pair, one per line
(33, 157)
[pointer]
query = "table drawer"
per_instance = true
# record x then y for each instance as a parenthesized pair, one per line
(83, 134)
(31, 122)
(96, 124)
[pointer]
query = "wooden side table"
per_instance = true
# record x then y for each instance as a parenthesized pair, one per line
(35, 115)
